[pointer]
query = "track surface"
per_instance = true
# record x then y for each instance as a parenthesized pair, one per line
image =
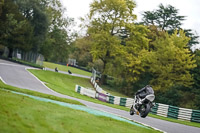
(17, 75)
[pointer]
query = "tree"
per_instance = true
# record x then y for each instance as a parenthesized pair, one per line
(196, 71)
(106, 18)
(15, 30)
(56, 47)
(193, 37)
(81, 51)
(59, 36)
(167, 19)
(36, 25)
(1, 4)
(35, 12)
(171, 62)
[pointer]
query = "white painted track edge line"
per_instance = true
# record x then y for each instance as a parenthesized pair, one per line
(2, 80)
(133, 120)
(39, 80)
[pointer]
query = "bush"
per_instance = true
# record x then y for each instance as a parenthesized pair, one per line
(170, 97)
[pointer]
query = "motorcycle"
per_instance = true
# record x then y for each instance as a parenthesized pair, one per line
(142, 106)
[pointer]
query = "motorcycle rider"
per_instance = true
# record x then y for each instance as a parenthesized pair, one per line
(142, 93)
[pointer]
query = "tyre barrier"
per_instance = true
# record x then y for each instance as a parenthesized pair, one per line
(97, 87)
(176, 112)
(102, 97)
(129, 102)
(84, 91)
(159, 109)
(126, 102)
(155, 109)
(195, 116)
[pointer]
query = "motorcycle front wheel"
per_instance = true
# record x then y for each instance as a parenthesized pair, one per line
(132, 110)
(144, 110)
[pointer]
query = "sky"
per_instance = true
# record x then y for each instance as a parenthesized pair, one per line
(188, 8)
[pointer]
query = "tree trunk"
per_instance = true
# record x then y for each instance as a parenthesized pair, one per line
(103, 80)
(103, 76)
(10, 52)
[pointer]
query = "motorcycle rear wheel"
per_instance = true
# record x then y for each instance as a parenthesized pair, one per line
(144, 110)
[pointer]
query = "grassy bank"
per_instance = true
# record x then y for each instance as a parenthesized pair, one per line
(65, 84)
(112, 91)
(81, 72)
(22, 114)
(8, 87)
(66, 68)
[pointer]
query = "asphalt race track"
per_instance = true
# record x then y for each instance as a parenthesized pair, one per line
(17, 75)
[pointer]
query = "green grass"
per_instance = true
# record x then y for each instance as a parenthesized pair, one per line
(22, 114)
(65, 84)
(78, 71)
(8, 87)
(194, 124)
(65, 68)
(113, 91)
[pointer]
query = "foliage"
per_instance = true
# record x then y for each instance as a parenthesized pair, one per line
(167, 19)
(110, 26)
(15, 30)
(35, 12)
(56, 48)
(37, 25)
(59, 37)
(1, 4)
(193, 37)
(171, 61)
(81, 51)
(136, 55)
(135, 52)
(169, 97)
(196, 73)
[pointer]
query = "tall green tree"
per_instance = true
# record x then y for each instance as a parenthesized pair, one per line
(81, 51)
(196, 71)
(1, 4)
(15, 30)
(59, 36)
(106, 18)
(36, 25)
(35, 12)
(168, 19)
(171, 61)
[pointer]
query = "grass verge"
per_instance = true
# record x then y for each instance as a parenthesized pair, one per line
(113, 91)
(65, 84)
(8, 87)
(22, 114)
(65, 68)
(194, 124)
